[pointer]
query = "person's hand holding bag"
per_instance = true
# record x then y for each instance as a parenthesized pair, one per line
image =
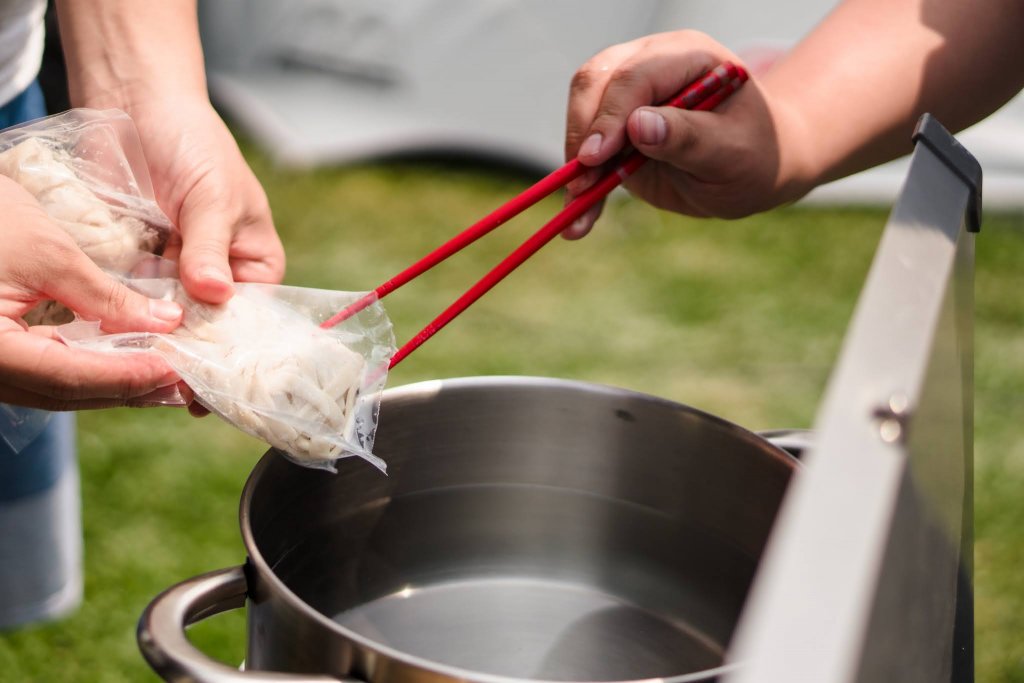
(203, 184)
(145, 59)
(39, 261)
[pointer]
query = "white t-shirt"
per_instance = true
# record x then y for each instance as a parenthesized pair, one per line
(21, 45)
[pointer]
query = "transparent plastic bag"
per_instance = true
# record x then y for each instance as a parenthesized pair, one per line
(263, 364)
(86, 169)
(21, 426)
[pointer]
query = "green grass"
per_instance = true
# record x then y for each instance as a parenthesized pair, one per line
(742, 319)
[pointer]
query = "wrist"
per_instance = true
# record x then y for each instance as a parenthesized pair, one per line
(133, 94)
(121, 53)
(801, 168)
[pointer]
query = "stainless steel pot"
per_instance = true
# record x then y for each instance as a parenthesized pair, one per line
(529, 529)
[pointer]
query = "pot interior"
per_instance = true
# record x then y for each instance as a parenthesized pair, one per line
(531, 529)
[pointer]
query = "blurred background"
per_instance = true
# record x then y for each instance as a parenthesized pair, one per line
(329, 81)
(379, 129)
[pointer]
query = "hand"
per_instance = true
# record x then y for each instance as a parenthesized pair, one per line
(725, 163)
(203, 184)
(39, 261)
(149, 62)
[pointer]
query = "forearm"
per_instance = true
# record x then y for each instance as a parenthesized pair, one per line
(121, 53)
(852, 90)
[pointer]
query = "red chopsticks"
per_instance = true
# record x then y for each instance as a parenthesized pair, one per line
(704, 94)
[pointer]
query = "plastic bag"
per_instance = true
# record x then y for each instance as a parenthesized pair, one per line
(21, 426)
(262, 363)
(86, 169)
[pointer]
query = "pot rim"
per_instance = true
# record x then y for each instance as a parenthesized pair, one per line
(426, 388)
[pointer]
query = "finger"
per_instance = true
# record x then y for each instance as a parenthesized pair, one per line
(635, 83)
(195, 408)
(585, 93)
(186, 393)
(269, 267)
(207, 227)
(250, 248)
(172, 250)
(582, 225)
(583, 182)
(256, 251)
(28, 399)
(36, 363)
(70, 277)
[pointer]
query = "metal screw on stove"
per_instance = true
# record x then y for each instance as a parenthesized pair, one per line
(893, 418)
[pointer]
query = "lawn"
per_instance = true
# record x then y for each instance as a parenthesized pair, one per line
(742, 319)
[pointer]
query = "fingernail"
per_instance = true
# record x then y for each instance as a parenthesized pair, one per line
(167, 311)
(213, 273)
(592, 145)
(163, 396)
(653, 128)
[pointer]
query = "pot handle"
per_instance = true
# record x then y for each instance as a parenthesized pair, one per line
(161, 632)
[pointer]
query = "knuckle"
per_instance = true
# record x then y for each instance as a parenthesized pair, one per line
(116, 297)
(627, 88)
(256, 209)
(50, 260)
(628, 76)
(201, 201)
(690, 35)
(208, 248)
(61, 259)
(211, 192)
(61, 250)
(234, 205)
(585, 79)
(574, 134)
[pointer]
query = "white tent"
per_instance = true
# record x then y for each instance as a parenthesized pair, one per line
(335, 81)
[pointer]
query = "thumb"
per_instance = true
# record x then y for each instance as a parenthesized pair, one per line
(84, 288)
(685, 139)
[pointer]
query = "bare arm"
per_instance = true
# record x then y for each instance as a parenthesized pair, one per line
(125, 53)
(862, 78)
(844, 99)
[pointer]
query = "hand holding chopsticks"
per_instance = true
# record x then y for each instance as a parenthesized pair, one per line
(704, 94)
